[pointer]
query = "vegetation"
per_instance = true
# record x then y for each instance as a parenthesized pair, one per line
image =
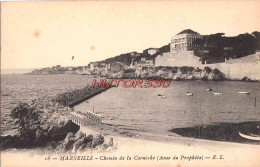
(126, 58)
(174, 69)
(123, 58)
(207, 69)
(218, 75)
(186, 70)
(198, 69)
(129, 70)
(215, 48)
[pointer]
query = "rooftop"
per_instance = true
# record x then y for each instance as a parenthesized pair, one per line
(187, 31)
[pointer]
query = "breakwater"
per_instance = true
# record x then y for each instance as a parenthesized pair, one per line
(46, 123)
(86, 97)
(73, 97)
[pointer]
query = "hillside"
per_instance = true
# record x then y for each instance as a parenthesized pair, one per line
(218, 46)
(127, 57)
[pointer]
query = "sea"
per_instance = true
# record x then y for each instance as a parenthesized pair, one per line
(140, 110)
(17, 88)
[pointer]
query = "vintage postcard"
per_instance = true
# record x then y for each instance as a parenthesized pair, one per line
(130, 83)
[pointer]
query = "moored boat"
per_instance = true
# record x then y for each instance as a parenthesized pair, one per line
(217, 93)
(189, 93)
(208, 89)
(162, 96)
(250, 137)
(243, 92)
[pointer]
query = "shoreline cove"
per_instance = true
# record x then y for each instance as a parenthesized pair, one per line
(46, 123)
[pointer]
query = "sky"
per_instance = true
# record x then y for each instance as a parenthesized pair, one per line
(44, 34)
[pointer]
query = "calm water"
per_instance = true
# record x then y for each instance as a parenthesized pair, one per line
(24, 88)
(141, 110)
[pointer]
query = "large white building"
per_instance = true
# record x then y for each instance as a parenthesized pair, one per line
(183, 41)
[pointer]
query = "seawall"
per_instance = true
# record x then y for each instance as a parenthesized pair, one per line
(237, 71)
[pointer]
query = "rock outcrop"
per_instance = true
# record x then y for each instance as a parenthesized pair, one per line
(46, 123)
(175, 73)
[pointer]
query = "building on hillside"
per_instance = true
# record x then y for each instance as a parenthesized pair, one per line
(181, 53)
(150, 51)
(93, 65)
(183, 41)
(149, 62)
(115, 67)
(57, 67)
(102, 69)
(108, 66)
(145, 62)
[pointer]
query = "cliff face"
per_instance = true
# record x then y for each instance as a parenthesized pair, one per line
(175, 73)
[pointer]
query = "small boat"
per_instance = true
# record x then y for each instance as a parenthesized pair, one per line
(163, 96)
(243, 92)
(189, 93)
(251, 137)
(217, 93)
(208, 89)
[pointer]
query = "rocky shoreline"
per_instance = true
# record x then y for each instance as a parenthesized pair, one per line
(174, 73)
(222, 132)
(46, 123)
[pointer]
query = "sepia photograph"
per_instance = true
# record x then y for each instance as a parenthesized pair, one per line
(130, 83)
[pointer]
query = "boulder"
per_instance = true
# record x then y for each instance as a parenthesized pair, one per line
(60, 148)
(69, 126)
(79, 135)
(82, 147)
(45, 127)
(69, 136)
(89, 139)
(41, 136)
(79, 142)
(20, 111)
(54, 129)
(99, 139)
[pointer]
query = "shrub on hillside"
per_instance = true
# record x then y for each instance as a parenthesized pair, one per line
(207, 70)
(246, 79)
(198, 70)
(218, 75)
(129, 70)
(174, 69)
(216, 71)
(186, 70)
(168, 68)
(144, 68)
(204, 78)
